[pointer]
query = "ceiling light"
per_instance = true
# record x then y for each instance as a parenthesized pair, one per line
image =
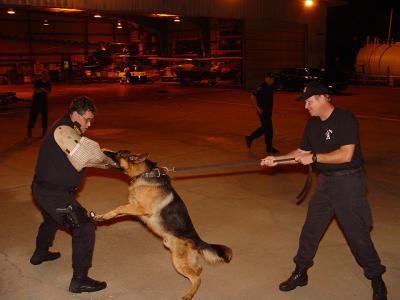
(97, 15)
(308, 3)
(176, 19)
(11, 11)
(46, 23)
(119, 25)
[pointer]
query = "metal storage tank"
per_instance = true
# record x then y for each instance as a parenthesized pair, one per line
(379, 61)
(390, 61)
(363, 56)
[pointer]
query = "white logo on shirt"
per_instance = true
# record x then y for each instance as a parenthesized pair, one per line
(328, 134)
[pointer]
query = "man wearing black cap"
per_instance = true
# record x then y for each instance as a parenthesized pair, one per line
(331, 142)
(263, 99)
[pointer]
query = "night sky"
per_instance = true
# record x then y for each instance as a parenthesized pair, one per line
(348, 27)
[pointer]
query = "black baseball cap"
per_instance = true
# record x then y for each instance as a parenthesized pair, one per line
(313, 88)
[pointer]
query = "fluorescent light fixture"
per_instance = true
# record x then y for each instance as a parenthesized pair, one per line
(11, 11)
(163, 15)
(97, 15)
(64, 10)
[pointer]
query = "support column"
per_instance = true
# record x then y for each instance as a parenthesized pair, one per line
(86, 38)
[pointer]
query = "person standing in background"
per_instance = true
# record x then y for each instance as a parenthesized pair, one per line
(42, 87)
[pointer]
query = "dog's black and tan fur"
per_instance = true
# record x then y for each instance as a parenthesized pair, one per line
(157, 204)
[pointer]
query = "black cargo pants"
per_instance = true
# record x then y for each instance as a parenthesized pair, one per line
(265, 129)
(83, 237)
(343, 197)
(39, 106)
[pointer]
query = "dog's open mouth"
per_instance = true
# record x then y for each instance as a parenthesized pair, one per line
(126, 155)
(114, 156)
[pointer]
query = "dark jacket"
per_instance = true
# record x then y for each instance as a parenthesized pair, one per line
(265, 97)
(53, 165)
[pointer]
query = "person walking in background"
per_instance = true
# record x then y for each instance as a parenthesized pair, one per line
(42, 87)
(263, 99)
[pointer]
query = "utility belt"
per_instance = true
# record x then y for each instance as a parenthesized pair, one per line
(342, 172)
(55, 187)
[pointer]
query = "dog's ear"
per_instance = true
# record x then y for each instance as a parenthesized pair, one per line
(141, 157)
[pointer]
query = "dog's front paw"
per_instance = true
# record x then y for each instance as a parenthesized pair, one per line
(98, 218)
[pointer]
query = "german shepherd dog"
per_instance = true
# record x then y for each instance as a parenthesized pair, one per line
(153, 199)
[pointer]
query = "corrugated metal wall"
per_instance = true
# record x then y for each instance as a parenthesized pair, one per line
(288, 36)
(273, 49)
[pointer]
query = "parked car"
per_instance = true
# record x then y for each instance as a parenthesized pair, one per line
(7, 98)
(296, 79)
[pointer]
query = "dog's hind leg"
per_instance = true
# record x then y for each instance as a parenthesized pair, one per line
(184, 258)
(128, 209)
(193, 259)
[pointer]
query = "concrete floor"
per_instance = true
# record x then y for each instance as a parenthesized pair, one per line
(250, 209)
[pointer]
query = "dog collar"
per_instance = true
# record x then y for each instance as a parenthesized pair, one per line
(154, 173)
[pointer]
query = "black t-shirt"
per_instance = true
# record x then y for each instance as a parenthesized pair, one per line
(53, 165)
(41, 84)
(341, 128)
(265, 97)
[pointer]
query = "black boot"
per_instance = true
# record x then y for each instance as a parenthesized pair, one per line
(41, 256)
(379, 288)
(248, 141)
(299, 278)
(80, 283)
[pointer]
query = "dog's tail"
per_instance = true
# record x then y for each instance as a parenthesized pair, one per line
(214, 253)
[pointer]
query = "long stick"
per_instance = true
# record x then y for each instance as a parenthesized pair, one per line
(283, 160)
(216, 166)
(300, 197)
(228, 164)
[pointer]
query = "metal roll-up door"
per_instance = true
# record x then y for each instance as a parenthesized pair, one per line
(271, 47)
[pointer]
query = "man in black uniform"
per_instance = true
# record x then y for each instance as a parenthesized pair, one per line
(54, 187)
(42, 88)
(331, 142)
(263, 99)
